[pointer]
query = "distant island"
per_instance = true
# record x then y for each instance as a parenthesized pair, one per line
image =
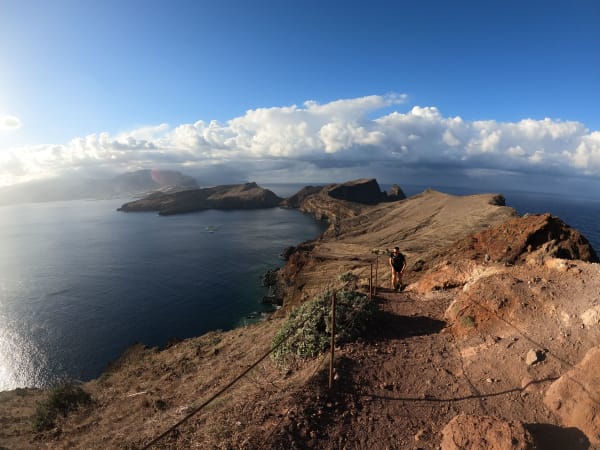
(251, 196)
(232, 196)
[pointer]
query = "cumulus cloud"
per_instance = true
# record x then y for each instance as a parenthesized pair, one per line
(295, 142)
(10, 123)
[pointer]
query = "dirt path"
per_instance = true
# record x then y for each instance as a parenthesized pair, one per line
(400, 385)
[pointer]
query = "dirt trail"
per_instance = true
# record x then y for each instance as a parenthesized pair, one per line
(399, 386)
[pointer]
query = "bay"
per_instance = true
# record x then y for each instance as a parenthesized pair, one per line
(80, 282)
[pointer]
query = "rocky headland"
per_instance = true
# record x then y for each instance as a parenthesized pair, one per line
(494, 343)
(234, 196)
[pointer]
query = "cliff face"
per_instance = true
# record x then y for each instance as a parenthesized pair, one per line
(238, 196)
(337, 202)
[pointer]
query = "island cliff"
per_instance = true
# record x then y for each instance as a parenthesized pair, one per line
(493, 344)
(235, 196)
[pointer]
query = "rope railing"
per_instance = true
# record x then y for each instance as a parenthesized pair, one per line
(245, 372)
(373, 273)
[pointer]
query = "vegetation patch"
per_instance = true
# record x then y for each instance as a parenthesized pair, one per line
(467, 321)
(348, 277)
(306, 332)
(62, 400)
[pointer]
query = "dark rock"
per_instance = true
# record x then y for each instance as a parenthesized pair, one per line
(235, 196)
(272, 300)
(287, 252)
(365, 191)
(270, 277)
(395, 194)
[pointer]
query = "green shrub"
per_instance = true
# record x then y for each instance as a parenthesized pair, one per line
(348, 277)
(62, 399)
(467, 321)
(306, 332)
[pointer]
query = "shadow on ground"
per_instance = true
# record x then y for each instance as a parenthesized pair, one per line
(552, 437)
(393, 326)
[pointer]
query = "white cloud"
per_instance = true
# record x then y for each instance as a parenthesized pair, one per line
(340, 135)
(10, 123)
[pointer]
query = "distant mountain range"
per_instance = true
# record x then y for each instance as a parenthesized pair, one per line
(131, 184)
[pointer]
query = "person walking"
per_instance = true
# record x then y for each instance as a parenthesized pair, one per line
(398, 264)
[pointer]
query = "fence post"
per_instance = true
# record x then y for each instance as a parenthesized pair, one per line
(332, 339)
(371, 284)
(376, 277)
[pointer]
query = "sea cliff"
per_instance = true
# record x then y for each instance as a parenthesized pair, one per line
(494, 341)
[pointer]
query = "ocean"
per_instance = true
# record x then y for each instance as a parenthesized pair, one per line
(81, 282)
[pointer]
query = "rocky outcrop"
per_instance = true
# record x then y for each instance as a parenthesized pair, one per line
(466, 432)
(396, 193)
(531, 239)
(575, 397)
(236, 196)
(335, 203)
(515, 239)
(365, 191)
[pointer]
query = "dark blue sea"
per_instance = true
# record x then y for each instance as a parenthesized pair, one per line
(80, 282)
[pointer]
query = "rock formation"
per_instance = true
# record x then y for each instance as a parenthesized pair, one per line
(337, 202)
(236, 196)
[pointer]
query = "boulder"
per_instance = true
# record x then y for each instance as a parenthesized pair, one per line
(575, 396)
(466, 432)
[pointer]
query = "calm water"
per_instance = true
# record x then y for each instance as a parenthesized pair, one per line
(80, 282)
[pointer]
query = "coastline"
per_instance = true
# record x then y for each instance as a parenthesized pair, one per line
(445, 239)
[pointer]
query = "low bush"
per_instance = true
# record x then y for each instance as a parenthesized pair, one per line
(306, 332)
(62, 400)
(348, 277)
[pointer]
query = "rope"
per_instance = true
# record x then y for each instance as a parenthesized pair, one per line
(222, 390)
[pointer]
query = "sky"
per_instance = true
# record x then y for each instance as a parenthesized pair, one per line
(490, 94)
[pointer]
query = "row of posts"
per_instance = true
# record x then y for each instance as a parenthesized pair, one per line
(372, 293)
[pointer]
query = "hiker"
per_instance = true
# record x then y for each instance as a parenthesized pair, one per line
(398, 264)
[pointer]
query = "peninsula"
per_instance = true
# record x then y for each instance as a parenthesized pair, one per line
(492, 344)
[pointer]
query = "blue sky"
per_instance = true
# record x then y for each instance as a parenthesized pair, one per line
(301, 91)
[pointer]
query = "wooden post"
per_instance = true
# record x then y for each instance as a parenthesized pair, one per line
(332, 339)
(371, 284)
(376, 277)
